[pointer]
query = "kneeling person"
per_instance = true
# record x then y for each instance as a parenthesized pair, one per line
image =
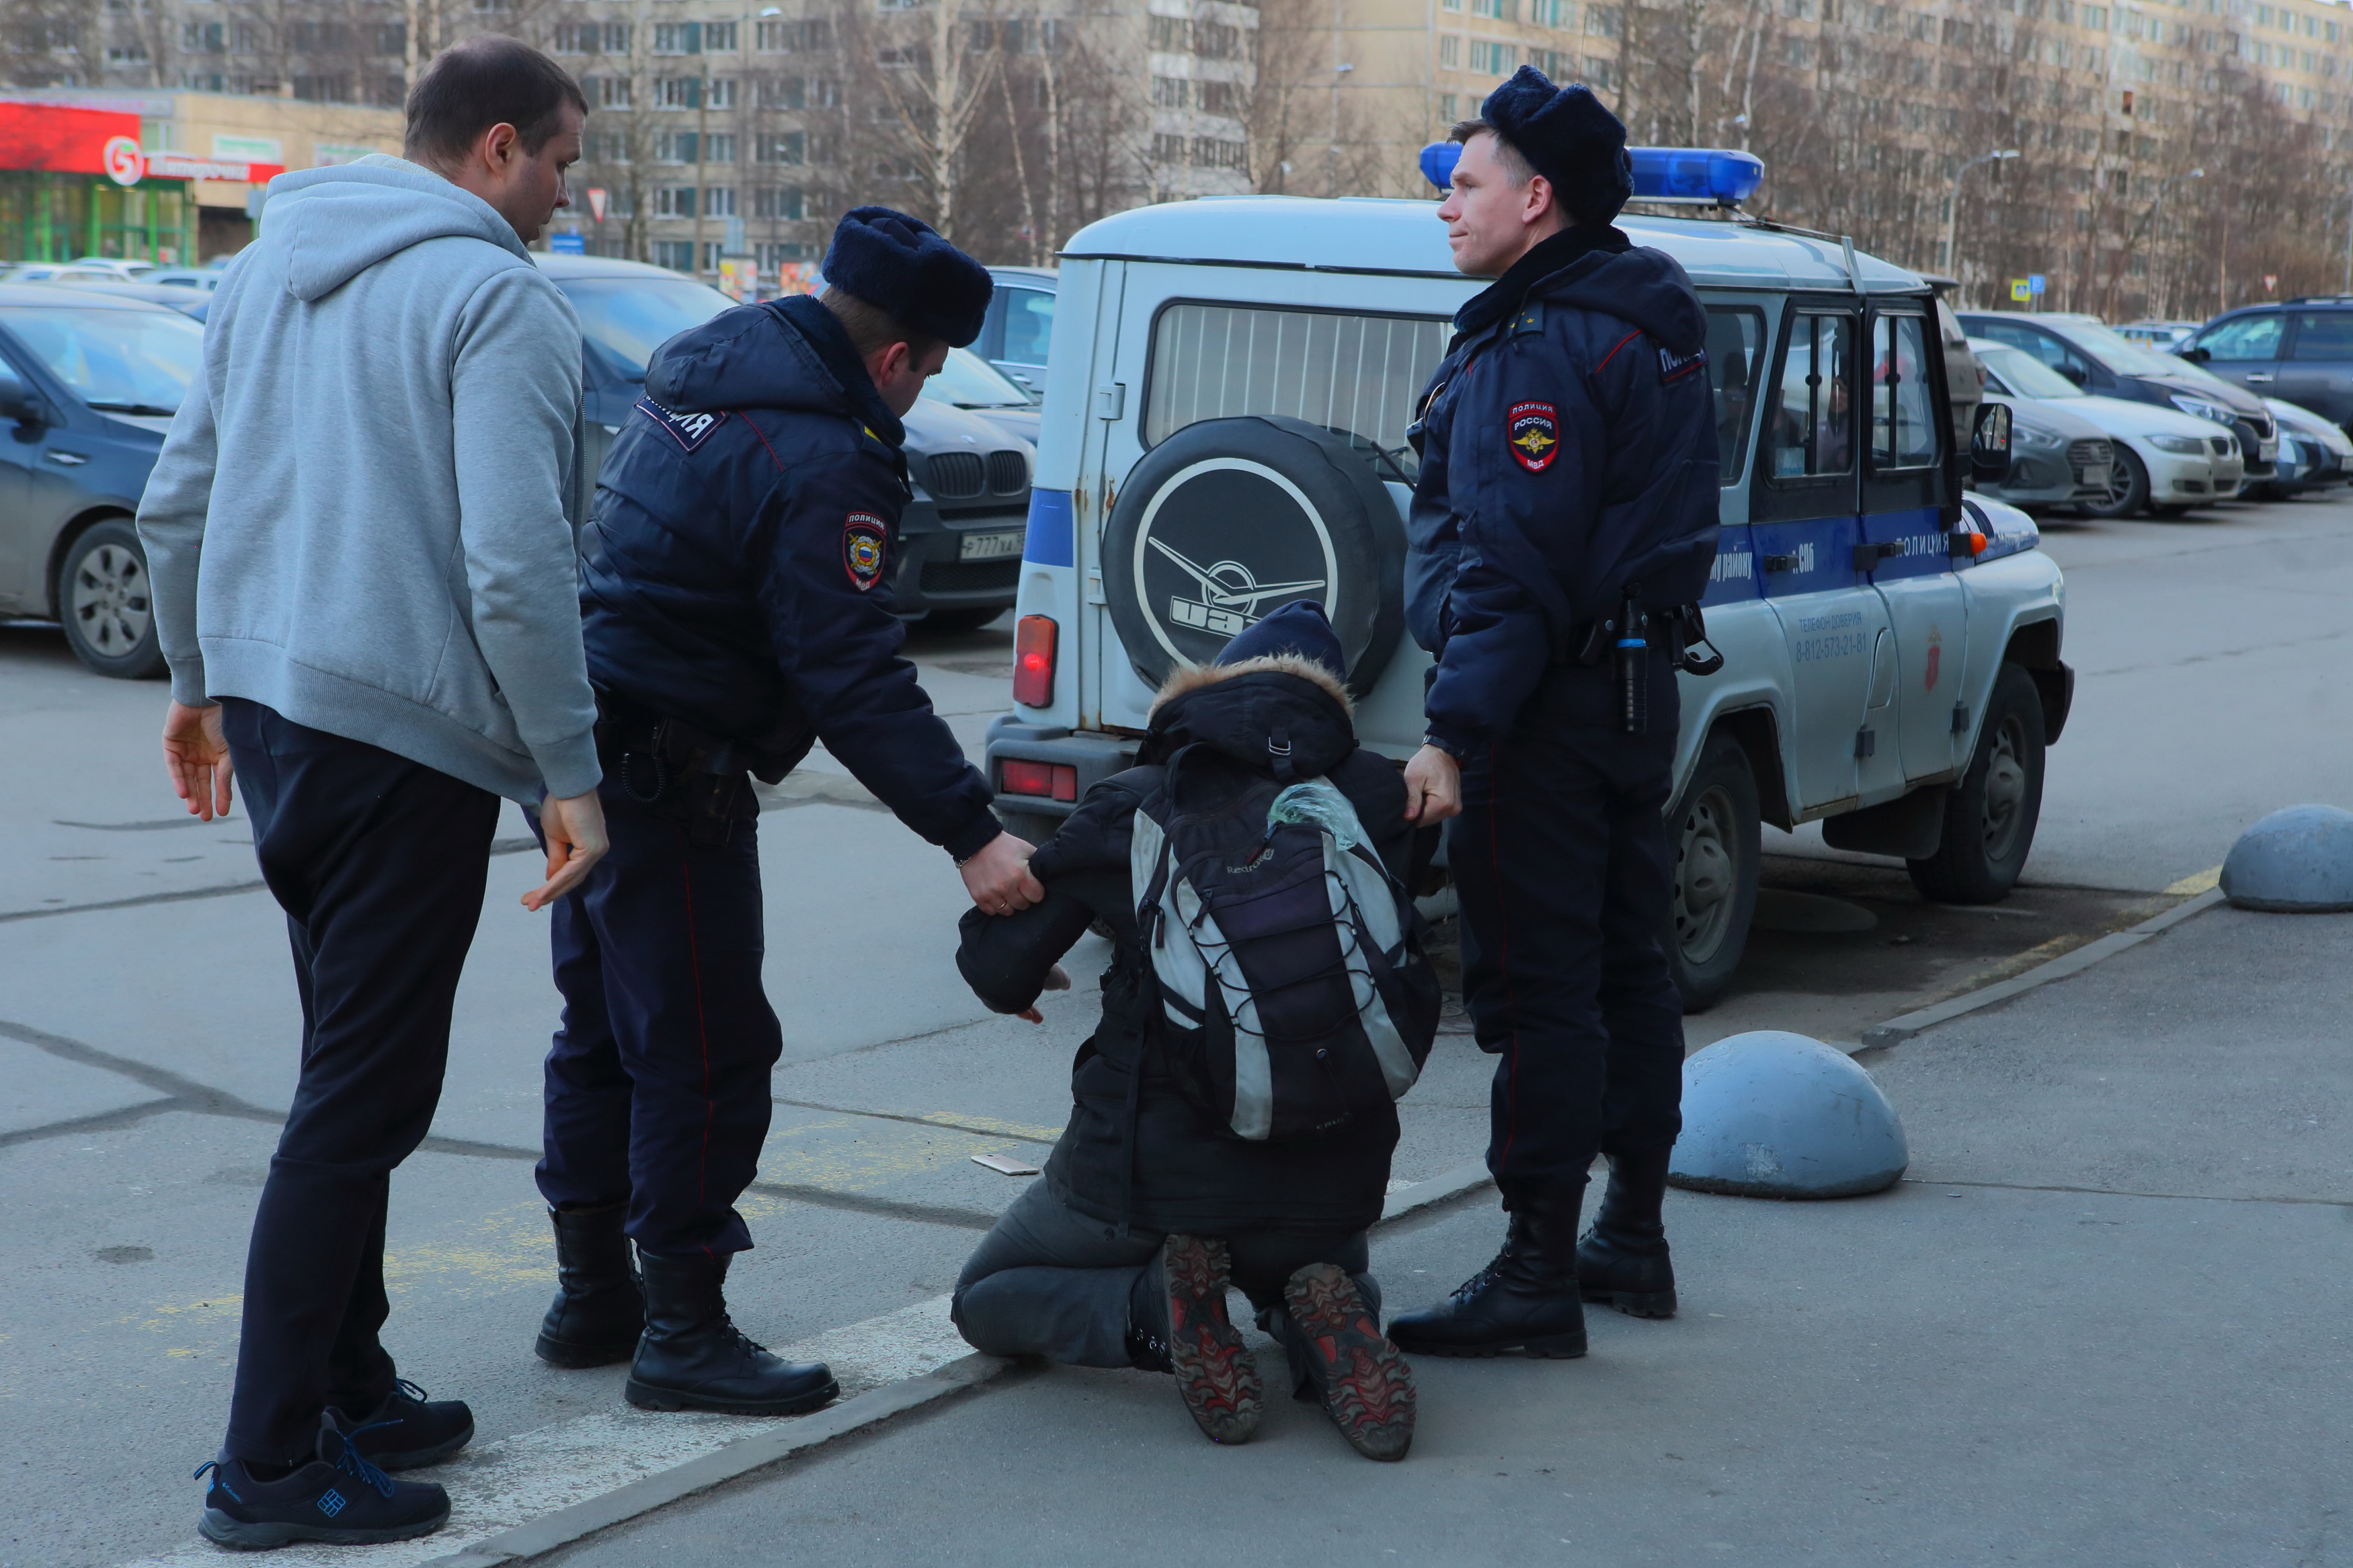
(1171, 1181)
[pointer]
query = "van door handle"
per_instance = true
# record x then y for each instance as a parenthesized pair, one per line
(2260, 377)
(1867, 557)
(66, 460)
(1778, 563)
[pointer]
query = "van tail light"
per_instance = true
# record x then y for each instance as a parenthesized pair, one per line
(1033, 663)
(1049, 781)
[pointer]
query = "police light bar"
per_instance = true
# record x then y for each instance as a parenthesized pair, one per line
(1712, 177)
(1716, 176)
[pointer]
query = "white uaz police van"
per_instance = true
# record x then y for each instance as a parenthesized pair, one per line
(1891, 648)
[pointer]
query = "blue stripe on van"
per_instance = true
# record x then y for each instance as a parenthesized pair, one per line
(1920, 530)
(1809, 557)
(1735, 578)
(1053, 532)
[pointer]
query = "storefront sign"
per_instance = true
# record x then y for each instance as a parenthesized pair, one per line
(124, 161)
(62, 140)
(186, 166)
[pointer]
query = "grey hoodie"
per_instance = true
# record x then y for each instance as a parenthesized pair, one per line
(358, 516)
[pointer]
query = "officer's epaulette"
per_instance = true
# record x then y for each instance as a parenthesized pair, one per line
(1529, 320)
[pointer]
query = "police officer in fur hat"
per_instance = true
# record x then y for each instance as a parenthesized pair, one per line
(1563, 530)
(734, 589)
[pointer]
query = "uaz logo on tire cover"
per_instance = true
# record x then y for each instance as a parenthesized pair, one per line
(1187, 565)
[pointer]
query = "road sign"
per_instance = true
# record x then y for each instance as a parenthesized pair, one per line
(2022, 290)
(597, 203)
(570, 242)
(2034, 283)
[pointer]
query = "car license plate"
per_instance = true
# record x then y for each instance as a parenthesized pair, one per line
(2092, 475)
(990, 546)
(2268, 450)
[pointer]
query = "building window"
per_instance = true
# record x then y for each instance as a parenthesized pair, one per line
(674, 201)
(1601, 22)
(783, 92)
(608, 92)
(132, 55)
(781, 147)
(719, 37)
(1218, 96)
(1450, 51)
(203, 37)
(1448, 109)
(678, 92)
(676, 147)
(678, 38)
(605, 147)
(1494, 58)
(1171, 93)
(719, 201)
(782, 202)
(677, 255)
(328, 87)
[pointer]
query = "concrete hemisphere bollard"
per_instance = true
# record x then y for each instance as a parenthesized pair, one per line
(2299, 860)
(1770, 1114)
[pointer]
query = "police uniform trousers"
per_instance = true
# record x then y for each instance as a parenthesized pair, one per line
(1561, 863)
(380, 864)
(657, 1084)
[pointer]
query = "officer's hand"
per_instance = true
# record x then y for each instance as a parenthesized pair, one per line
(196, 753)
(1433, 787)
(998, 878)
(1057, 979)
(575, 830)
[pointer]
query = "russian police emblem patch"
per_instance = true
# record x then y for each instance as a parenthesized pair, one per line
(863, 539)
(1533, 430)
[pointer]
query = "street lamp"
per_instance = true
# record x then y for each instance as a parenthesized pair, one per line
(1953, 213)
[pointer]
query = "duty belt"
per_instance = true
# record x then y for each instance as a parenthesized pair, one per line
(674, 768)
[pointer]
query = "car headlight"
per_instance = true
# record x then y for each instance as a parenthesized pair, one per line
(2038, 438)
(2199, 408)
(2185, 446)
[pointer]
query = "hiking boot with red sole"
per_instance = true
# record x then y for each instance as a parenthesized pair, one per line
(1365, 1384)
(1216, 1373)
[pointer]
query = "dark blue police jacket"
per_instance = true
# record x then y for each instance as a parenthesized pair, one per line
(736, 569)
(1567, 448)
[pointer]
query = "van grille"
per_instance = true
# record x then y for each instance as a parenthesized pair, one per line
(1008, 475)
(954, 476)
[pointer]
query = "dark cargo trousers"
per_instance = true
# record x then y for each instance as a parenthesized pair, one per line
(380, 864)
(1561, 862)
(657, 1084)
(1050, 1281)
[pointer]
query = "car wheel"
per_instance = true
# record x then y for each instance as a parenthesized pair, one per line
(1990, 816)
(2127, 487)
(107, 604)
(1713, 844)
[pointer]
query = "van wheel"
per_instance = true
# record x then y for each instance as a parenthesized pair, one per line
(1990, 817)
(2127, 487)
(1713, 843)
(107, 603)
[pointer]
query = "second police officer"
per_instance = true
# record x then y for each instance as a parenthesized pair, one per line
(1563, 530)
(735, 610)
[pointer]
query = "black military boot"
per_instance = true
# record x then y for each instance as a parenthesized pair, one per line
(1623, 1260)
(600, 1308)
(1525, 1301)
(693, 1358)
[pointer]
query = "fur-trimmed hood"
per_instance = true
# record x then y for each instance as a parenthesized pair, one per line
(1281, 714)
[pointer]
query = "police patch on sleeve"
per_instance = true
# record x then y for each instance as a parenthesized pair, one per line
(1532, 429)
(863, 538)
(1673, 366)
(689, 430)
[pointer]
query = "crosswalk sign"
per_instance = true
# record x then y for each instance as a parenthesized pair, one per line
(2021, 291)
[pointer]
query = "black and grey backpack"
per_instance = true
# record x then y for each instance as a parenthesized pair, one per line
(1294, 992)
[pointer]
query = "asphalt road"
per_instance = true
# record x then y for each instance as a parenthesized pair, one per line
(147, 1027)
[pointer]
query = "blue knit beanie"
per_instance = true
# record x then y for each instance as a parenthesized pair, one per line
(1300, 627)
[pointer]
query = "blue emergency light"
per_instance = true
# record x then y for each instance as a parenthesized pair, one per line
(1717, 176)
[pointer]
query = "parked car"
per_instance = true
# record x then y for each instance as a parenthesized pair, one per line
(88, 381)
(1225, 421)
(1020, 325)
(2163, 336)
(2301, 351)
(2099, 362)
(971, 383)
(2165, 462)
(2056, 457)
(204, 277)
(959, 540)
(192, 303)
(2315, 454)
(120, 267)
(61, 272)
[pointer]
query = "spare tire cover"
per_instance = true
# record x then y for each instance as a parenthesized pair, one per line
(1228, 520)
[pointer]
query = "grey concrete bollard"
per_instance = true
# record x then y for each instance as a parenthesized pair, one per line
(1770, 1114)
(2297, 860)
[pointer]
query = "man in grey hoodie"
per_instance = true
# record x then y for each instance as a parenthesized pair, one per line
(365, 587)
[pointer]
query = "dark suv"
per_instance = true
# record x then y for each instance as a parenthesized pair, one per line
(2100, 360)
(960, 539)
(2300, 353)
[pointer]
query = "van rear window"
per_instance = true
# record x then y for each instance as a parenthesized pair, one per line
(1357, 373)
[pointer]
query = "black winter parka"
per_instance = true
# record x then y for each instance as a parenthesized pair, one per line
(736, 569)
(1189, 1174)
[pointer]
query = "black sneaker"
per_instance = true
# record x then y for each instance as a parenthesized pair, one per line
(338, 1498)
(408, 1430)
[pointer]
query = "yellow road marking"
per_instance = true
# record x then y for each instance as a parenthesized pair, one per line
(2190, 886)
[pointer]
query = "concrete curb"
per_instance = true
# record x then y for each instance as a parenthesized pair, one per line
(621, 1504)
(1899, 1029)
(1447, 1184)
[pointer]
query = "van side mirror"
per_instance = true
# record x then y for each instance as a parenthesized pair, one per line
(1989, 445)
